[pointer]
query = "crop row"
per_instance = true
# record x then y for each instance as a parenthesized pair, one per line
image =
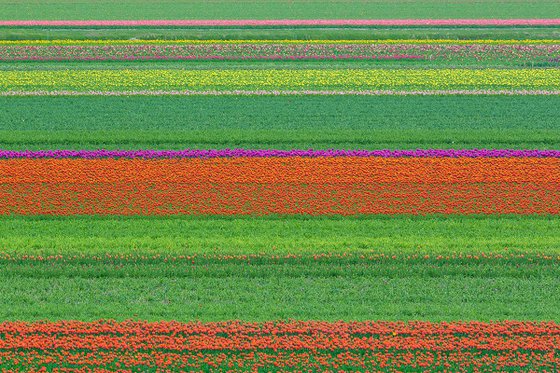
(459, 53)
(274, 153)
(281, 92)
(336, 289)
(271, 79)
(165, 198)
(290, 12)
(294, 185)
(368, 258)
(287, 170)
(279, 122)
(283, 42)
(290, 22)
(449, 236)
(201, 52)
(280, 346)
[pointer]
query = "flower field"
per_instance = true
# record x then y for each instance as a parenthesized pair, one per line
(281, 81)
(274, 186)
(383, 346)
(269, 184)
(435, 52)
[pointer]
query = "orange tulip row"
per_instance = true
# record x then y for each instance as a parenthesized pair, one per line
(265, 170)
(292, 198)
(296, 185)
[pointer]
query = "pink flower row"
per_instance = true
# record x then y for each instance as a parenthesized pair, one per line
(292, 22)
(471, 92)
(494, 53)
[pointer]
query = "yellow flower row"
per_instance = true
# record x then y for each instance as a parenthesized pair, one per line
(339, 79)
(391, 41)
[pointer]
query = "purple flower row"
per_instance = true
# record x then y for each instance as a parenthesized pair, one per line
(228, 153)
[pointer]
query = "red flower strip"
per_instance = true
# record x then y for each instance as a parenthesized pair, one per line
(373, 346)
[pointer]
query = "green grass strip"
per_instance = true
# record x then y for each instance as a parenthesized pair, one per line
(223, 290)
(279, 235)
(303, 122)
(299, 33)
(274, 9)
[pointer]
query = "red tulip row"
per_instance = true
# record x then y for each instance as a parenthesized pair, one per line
(277, 346)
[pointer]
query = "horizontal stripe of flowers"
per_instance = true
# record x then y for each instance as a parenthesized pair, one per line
(341, 257)
(302, 80)
(294, 170)
(111, 360)
(276, 345)
(228, 153)
(209, 57)
(87, 196)
(273, 41)
(291, 22)
(280, 185)
(309, 92)
(475, 53)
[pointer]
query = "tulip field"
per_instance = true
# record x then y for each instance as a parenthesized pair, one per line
(279, 186)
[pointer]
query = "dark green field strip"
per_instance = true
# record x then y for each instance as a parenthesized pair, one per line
(402, 235)
(275, 9)
(280, 33)
(368, 122)
(217, 291)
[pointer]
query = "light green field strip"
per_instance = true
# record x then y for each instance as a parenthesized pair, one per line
(274, 9)
(278, 235)
(145, 81)
(333, 290)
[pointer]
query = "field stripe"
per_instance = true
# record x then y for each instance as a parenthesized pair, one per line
(270, 81)
(278, 122)
(263, 170)
(477, 54)
(339, 238)
(290, 22)
(275, 345)
(268, 153)
(295, 185)
(308, 92)
(274, 41)
(167, 198)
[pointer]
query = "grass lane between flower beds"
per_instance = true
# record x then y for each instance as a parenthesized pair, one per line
(279, 33)
(277, 235)
(303, 122)
(280, 9)
(184, 290)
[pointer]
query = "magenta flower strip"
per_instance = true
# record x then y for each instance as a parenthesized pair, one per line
(292, 22)
(529, 53)
(472, 92)
(256, 153)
